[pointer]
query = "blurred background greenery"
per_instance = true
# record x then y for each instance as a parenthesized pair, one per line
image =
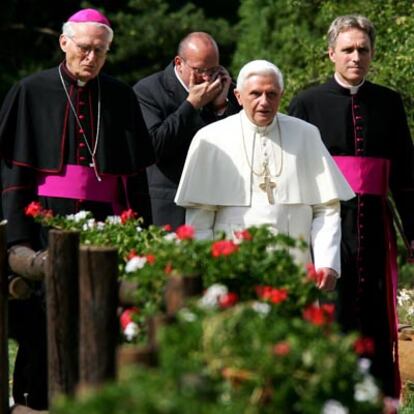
(291, 33)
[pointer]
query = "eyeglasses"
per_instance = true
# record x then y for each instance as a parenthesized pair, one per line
(86, 50)
(202, 71)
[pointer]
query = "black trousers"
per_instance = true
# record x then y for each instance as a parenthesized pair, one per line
(27, 325)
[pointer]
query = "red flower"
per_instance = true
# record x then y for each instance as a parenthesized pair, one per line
(47, 214)
(223, 248)
(313, 274)
(34, 209)
(127, 316)
(132, 253)
(243, 235)
(228, 300)
(319, 315)
(150, 258)
(185, 232)
(364, 346)
(271, 294)
(168, 268)
(128, 215)
(167, 227)
(281, 348)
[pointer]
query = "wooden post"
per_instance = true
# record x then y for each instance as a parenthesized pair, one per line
(62, 292)
(4, 355)
(178, 289)
(99, 330)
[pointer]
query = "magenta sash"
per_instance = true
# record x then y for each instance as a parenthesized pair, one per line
(79, 182)
(366, 175)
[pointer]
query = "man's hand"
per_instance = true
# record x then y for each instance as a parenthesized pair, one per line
(203, 93)
(327, 279)
(220, 101)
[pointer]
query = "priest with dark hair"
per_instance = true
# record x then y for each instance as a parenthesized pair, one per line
(72, 138)
(364, 127)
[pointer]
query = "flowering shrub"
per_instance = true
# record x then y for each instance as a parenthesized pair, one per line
(255, 342)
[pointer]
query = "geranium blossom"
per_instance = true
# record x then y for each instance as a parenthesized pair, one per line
(185, 232)
(334, 407)
(34, 209)
(167, 227)
(271, 294)
(366, 390)
(242, 235)
(261, 308)
(212, 295)
(313, 274)
(228, 300)
(223, 248)
(129, 327)
(282, 348)
(113, 220)
(364, 346)
(319, 315)
(137, 262)
(127, 215)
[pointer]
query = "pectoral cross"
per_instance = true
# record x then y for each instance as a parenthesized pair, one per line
(268, 185)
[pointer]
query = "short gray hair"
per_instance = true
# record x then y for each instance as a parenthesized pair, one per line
(350, 21)
(68, 29)
(259, 67)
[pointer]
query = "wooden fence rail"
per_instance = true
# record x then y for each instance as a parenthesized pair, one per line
(82, 296)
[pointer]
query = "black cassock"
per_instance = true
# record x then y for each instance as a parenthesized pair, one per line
(371, 123)
(39, 135)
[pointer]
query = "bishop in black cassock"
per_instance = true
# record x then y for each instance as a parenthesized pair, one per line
(83, 131)
(364, 127)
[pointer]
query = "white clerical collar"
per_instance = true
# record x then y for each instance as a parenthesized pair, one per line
(80, 83)
(353, 89)
(180, 80)
(262, 130)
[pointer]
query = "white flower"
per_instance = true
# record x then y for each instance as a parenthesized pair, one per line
(366, 390)
(170, 236)
(131, 331)
(100, 225)
(90, 224)
(137, 262)
(364, 364)
(410, 311)
(261, 308)
(113, 220)
(70, 217)
(187, 315)
(334, 407)
(139, 229)
(403, 296)
(211, 296)
(81, 215)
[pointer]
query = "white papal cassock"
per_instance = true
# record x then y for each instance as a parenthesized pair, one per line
(220, 183)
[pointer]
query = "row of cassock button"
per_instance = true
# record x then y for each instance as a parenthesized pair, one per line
(358, 122)
(82, 155)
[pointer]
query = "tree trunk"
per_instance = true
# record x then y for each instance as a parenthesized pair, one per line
(62, 293)
(98, 319)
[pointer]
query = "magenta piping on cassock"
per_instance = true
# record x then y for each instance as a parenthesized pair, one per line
(79, 182)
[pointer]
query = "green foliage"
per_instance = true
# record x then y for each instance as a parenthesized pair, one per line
(148, 33)
(292, 34)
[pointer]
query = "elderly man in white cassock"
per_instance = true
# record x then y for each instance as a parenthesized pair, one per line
(260, 167)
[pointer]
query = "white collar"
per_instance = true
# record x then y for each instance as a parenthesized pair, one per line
(180, 80)
(262, 130)
(353, 89)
